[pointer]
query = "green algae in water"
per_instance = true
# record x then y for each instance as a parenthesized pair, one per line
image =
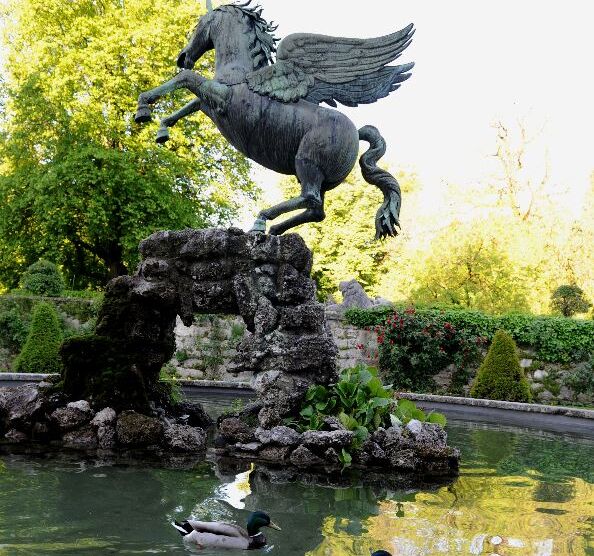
(535, 491)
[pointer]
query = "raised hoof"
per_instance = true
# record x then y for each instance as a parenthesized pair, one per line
(162, 135)
(143, 115)
(259, 227)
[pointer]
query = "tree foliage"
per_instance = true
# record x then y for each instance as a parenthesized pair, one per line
(43, 278)
(569, 300)
(343, 244)
(80, 183)
(469, 266)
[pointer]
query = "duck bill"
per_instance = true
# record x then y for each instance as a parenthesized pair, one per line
(274, 526)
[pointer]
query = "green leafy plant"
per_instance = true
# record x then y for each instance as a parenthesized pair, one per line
(40, 353)
(581, 381)
(182, 355)
(500, 377)
(361, 403)
(413, 347)
(43, 278)
(14, 328)
(553, 339)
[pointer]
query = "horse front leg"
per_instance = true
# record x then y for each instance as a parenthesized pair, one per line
(166, 123)
(185, 79)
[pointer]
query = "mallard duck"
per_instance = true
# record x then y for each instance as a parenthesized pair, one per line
(217, 534)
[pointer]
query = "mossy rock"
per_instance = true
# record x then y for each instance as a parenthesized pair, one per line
(500, 377)
(40, 354)
(101, 370)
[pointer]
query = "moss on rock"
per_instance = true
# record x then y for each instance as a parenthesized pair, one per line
(500, 377)
(100, 369)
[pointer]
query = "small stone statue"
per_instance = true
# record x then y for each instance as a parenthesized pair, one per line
(270, 111)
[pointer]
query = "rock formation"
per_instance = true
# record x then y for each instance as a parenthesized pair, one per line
(263, 278)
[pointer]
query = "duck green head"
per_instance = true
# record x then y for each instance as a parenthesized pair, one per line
(259, 519)
(381, 553)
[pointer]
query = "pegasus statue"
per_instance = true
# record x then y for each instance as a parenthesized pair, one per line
(270, 110)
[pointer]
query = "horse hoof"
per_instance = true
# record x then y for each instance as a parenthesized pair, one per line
(143, 115)
(259, 227)
(162, 135)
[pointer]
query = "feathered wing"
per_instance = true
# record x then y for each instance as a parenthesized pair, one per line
(218, 528)
(319, 68)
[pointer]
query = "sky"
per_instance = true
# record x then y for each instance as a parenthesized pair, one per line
(476, 62)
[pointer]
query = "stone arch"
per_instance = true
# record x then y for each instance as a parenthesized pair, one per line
(264, 279)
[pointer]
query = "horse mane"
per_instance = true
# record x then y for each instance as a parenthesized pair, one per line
(263, 45)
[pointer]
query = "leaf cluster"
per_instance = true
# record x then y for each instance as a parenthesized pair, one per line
(43, 278)
(569, 300)
(361, 403)
(554, 339)
(413, 347)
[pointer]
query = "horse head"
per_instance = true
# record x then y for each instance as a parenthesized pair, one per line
(200, 41)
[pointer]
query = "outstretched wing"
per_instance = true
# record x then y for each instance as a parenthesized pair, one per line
(319, 68)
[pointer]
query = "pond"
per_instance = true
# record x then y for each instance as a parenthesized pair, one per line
(533, 490)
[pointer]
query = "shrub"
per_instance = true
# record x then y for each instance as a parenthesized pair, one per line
(581, 381)
(413, 347)
(40, 352)
(43, 278)
(569, 300)
(554, 339)
(14, 328)
(500, 377)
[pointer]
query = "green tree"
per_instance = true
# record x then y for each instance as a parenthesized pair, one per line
(40, 353)
(500, 377)
(343, 244)
(569, 300)
(468, 265)
(80, 183)
(43, 278)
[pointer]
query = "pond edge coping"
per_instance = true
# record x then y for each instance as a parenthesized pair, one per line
(454, 400)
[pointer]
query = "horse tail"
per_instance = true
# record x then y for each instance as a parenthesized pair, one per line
(386, 219)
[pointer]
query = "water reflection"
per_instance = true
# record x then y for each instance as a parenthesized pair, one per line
(519, 493)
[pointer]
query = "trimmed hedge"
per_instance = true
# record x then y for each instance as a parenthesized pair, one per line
(500, 377)
(554, 339)
(41, 350)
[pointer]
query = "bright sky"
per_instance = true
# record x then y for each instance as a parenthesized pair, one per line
(475, 62)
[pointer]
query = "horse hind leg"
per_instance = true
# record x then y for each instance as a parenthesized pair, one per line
(311, 178)
(309, 215)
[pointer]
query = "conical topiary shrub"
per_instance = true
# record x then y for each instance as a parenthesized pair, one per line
(40, 352)
(500, 377)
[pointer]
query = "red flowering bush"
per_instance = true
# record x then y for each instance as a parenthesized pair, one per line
(414, 347)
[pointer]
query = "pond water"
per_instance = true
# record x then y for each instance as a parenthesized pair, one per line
(534, 490)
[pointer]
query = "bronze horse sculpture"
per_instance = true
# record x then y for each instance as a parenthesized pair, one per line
(270, 111)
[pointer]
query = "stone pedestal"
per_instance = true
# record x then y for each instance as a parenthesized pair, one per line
(264, 279)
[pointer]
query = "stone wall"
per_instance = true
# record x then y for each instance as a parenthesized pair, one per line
(205, 350)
